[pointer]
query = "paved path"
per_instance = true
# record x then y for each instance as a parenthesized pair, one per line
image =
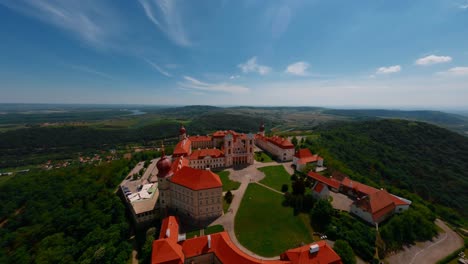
(430, 251)
(244, 176)
(271, 189)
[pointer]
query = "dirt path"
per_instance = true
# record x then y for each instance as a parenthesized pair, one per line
(430, 251)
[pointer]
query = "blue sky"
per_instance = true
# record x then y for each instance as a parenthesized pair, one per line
(376, 53)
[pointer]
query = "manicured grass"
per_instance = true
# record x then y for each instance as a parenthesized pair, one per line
(275, 177)
(266, 227)
(262, 157)
(208, 230)
(5, 178)
(214, 229)
(227, 183)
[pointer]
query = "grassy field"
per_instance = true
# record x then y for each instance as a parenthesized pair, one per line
(262, 157)
(265, 227)
(208, 230)
(275, 177)
(227, 183)
(5, 178)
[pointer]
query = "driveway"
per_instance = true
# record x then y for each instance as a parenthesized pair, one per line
(429, 251)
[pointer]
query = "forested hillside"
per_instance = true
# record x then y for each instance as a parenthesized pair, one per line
(422, 158)
(64, 216)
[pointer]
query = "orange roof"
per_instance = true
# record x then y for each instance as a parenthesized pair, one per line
(328, 181)
(202, 153)
(182, 148)
(278, 141)
(196, 179)
(167, 252)
(359, 187)
(303, 153)
(378, 204)
(234, 134)
(318, 187)
(169, 223)
(178, 164)
(398, 201)
(199, 138)
(302, 255)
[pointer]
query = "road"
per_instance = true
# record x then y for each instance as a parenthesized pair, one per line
(429, 251)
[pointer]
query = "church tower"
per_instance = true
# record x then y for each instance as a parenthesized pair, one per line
(261, 129)
(164, 174)
(228, 149)
(182, 133)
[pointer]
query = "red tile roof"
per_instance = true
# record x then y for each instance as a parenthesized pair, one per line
(328, 181)
(199, 138)
(202, 153)
(178, 164)
(378, 204)
(169, 223)
(235, 135)
(276, 140)
(167, 251)
(359, 187)
(398, 201)
(302, 255)
(318, 187)
(182, 148)
(196, 179)
(305, 156)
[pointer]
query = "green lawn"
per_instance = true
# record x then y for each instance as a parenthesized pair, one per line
(227, 183)
(5, 178)
(214, 229)
(262, 157)
(275, 177)
(265, 227)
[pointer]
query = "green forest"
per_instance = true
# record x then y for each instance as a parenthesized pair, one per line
(67, 215)
(427, 160)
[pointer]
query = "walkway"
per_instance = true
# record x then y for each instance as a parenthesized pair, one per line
(244, 176)
(430, 251)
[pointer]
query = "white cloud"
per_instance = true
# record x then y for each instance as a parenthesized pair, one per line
(455, 71)
(192, 83)
(298, 68)
(166, 16)
(91, 21)
(232, 77)
(252, 66)
(159, 69)
(433, 59)
(389, 69)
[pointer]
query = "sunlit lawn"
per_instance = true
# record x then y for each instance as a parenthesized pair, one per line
(266, 227)
(275, 177)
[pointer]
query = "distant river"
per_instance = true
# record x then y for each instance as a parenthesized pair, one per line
(136, 112)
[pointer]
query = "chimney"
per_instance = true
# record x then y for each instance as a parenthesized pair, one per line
(209, 241)
(168, 232)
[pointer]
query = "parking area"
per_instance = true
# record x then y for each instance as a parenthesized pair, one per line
(341, 201)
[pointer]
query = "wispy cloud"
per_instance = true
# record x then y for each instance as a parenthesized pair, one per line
(389, 69)
(166, 16)
(159, 69)
(252, 66)
(298, 68)
(91, 21)
(232, 77)
(192, 83)
(93, 72)
(455, 71)
(433, 59)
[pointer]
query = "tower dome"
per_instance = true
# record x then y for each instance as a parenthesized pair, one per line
(262, 127)
(164, 166)
(182, 130)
